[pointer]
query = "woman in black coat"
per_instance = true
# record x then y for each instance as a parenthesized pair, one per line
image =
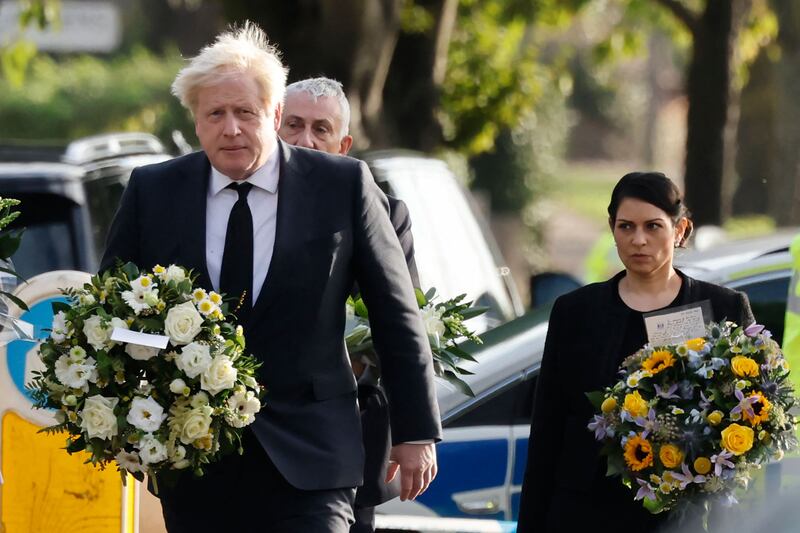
(591, 331)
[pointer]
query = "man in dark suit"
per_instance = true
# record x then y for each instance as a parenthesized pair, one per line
(316, 115)
(287, 231)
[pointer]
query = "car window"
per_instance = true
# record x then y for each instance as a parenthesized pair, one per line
(103, 196)
(510, 406)
(49, 240)
(768, 301)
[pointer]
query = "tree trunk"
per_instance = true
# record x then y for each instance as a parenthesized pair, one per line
(707, 89)
(784, 190)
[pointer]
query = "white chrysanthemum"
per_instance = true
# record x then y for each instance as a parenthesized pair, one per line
(199, 400)
(146, 414)
(129, 461)
(215, 298)
(243, 408)
(194, 359)
(59, 328)
(159, 271)
(97, 417)
(76, 375)
(206, 307)
(151, 450)
(175, 273)
(140, 352)
(220, 376)
(199, 295)
(143, 284)
(183, 323)
(77, 354)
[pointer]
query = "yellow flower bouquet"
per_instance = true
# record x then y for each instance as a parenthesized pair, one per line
(690, 421)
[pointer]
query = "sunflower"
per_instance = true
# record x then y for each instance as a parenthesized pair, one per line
(657, 362)
(638, 453)
(760, 410)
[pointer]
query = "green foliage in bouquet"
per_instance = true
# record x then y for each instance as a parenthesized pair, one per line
(154, 411)
(444, 324)
(9, 243)
(690, 421)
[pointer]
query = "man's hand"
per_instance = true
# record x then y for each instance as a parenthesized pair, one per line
(417, 466)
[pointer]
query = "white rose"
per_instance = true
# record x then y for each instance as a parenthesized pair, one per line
(194, 359)
(432, 318)
(129, 461)
(151, 298)
(198, 400)
(146, 414)
(175, 273)
(178, 386)
(195, 424)
(243, 407)
(140, 352)
(151, 450)
(97, 417)
(183, 323)
(96, 334)
(59, 327)
(76, 375)
(220, 376)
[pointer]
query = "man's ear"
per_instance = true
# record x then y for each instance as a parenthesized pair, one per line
(345, 144)
(278, 114)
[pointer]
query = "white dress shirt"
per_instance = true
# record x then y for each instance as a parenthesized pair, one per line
(263, 203)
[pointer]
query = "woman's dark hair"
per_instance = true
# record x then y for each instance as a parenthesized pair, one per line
(656, 189)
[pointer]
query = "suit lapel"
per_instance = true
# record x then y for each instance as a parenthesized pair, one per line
(293, 222)
(192, 195)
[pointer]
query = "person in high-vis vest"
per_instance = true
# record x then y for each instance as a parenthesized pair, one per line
(791, 332)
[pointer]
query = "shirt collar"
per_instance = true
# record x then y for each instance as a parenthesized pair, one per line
(266, 177)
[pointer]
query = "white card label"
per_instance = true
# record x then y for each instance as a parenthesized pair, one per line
(675, 326)
(137, 337)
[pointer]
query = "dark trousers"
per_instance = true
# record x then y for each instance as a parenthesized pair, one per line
(247, 494)
(365, 520)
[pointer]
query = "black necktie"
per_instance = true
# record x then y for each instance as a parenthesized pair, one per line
(236, 275)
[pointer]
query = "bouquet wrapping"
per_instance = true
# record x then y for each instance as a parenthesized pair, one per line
(693, 420)
(151, 410)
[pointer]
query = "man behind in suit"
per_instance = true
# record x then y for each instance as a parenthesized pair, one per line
(286, 232)
(316, 115)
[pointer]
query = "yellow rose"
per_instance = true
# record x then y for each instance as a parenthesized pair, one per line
(737, 439)
(744, 367)
(608, 405)
(696, 344)
(715, 417)
(670, 455)
(635, 404)
(702, 465)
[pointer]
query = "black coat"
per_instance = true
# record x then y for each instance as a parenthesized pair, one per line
(332, 230)
(565, 487)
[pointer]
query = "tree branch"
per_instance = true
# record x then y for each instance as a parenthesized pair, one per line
(682, 13)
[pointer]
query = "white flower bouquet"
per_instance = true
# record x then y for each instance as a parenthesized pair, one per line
(693, 420)
(444, 324)
(174, 397)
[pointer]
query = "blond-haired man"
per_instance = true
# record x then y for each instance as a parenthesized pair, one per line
(288, 230)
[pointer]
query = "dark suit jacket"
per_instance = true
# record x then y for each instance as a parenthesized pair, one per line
(565, 486)
(332, 230)
(372, 400)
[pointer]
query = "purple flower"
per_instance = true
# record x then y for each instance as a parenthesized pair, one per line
(668, 394)
(721, 461)
(645, 491)
(649, 424)
(705, 403)
(687, 478)
(745, 404)
(601, 427)
(753, 329)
